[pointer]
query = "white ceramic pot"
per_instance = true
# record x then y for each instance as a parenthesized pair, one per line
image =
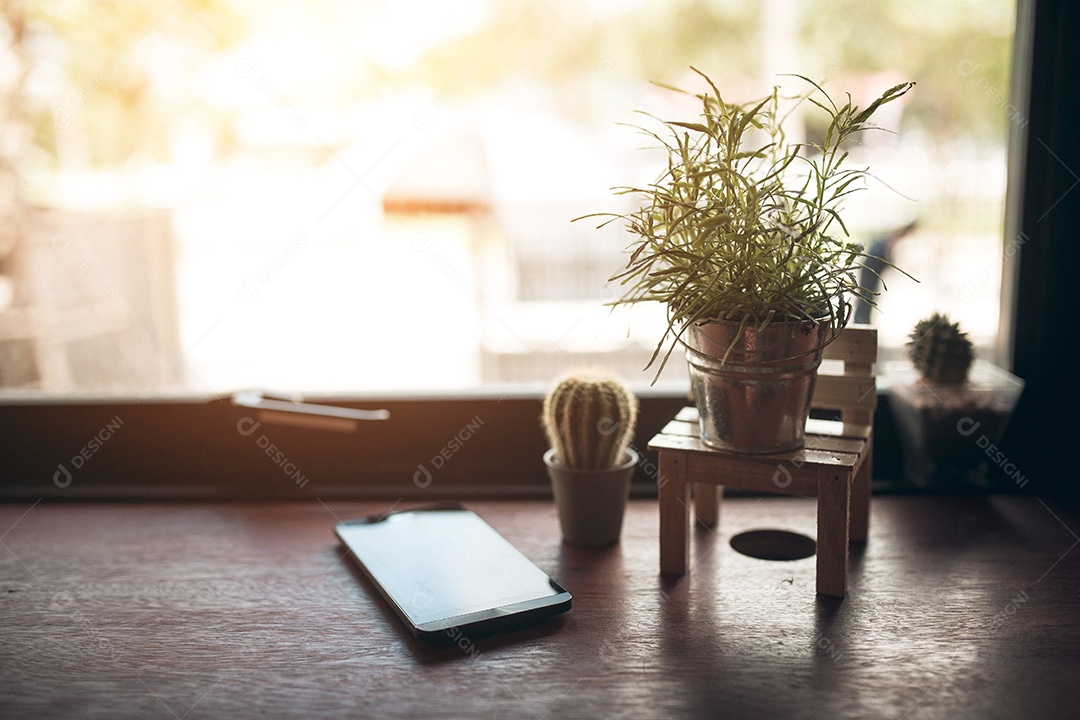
(591, 503)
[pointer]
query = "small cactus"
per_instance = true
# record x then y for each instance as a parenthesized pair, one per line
(589, 421)
(940, 351)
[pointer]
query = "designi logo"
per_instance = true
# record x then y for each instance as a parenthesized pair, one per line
(61, 472)
(422, 477)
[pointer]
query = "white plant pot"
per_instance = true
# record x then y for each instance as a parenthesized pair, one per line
(591, 503)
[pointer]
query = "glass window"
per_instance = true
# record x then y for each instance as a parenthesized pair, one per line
(355, 197)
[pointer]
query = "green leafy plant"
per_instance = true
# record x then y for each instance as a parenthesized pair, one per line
(589, 420)
(941, 352)
(744, 225)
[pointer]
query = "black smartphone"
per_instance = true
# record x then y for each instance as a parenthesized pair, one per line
(450, 575)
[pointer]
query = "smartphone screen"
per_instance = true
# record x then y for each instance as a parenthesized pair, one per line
(446, 572)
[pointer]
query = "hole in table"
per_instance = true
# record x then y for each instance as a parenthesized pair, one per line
(774, 545)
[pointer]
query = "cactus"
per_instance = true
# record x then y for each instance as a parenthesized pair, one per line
(940, 351)
(589, 421)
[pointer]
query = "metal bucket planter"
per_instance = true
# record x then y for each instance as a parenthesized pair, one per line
(758, 399)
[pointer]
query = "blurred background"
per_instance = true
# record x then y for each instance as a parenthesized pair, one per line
(202, 195)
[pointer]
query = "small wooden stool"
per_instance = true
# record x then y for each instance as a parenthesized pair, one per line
(835, 466)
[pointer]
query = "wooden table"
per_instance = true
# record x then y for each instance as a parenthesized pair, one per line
(958, 608)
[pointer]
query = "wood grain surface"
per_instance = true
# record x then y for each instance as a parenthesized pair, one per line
(958, 607)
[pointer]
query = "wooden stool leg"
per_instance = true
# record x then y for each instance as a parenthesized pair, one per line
(707, 498)
(833, 515)
(860, 497)
(674, 514)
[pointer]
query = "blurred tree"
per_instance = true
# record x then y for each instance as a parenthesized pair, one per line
(105, 78)
(959, 51)
(14, 128)
(106, 74)
(566, 45)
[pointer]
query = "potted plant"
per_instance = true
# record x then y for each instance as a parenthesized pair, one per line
(742, 239)
(950, 408)
(589, 421)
